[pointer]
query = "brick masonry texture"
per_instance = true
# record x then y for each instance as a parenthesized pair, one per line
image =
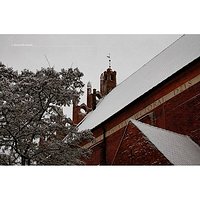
(181, 114)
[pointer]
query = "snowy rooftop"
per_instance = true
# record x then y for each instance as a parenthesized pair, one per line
(178, 149)
(169, 61)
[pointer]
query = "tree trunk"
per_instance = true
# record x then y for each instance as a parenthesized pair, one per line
(23, 161)
(26, 161)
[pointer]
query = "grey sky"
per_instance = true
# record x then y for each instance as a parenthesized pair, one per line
(87, 52)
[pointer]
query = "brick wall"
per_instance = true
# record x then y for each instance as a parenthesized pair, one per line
(180, 114)
(136, 149)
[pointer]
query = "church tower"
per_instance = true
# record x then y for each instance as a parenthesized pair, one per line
(107, 83)
(108, 80)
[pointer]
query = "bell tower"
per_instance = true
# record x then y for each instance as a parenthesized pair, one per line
(107, 83)
(108, 79)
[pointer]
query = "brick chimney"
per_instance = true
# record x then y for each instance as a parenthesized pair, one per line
(107, 83)
(79, 112)
(92, 97)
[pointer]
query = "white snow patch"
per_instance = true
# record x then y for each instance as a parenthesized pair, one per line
(178, 149)
(172, 59)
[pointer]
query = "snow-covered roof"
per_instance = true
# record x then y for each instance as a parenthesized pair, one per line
(169, 61)
(178, 149)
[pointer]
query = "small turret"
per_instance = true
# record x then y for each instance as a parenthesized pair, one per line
(107, 83)
(89, 87)
(89, 95)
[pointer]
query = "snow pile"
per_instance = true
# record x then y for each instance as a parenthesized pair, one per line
(172, 59)
(178, 149)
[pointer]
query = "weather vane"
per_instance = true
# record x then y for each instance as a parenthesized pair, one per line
(109, 60)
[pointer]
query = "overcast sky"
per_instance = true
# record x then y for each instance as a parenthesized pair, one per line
(128, 53)
(87, 52)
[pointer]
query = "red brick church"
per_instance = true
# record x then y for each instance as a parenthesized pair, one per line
(152, 117)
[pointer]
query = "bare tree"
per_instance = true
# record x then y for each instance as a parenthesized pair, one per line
(32, 124)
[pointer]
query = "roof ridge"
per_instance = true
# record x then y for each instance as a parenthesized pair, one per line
(144, 65)
(170, 60)
(172, 132)
(171, 144)
(131, 75)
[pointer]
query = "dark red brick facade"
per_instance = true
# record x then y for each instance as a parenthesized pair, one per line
(136, 149)
(181, 114)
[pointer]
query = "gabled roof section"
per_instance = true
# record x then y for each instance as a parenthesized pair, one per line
(182, 52)
(178, 149)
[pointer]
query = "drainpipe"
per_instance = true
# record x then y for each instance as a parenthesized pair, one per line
(94, 99)
(104, 150)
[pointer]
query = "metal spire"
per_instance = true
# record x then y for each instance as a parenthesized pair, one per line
(109, 59)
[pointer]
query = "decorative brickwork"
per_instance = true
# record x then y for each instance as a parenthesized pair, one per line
(179, 112)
